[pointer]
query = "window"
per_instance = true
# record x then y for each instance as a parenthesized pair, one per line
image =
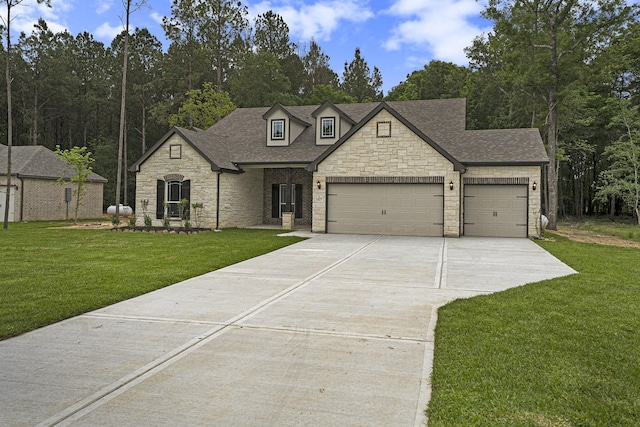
(327, 126)
(277, 129)
(171, 192)
(174, 195)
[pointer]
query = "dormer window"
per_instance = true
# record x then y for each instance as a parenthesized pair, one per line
(327, 127)
(277, 129)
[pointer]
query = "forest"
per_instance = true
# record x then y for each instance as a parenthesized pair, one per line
(568, 68)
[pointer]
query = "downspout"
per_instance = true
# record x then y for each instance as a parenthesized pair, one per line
(21, 197)
(218, 202)
(461, 204)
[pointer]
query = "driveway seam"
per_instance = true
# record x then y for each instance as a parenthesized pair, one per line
(116, 388)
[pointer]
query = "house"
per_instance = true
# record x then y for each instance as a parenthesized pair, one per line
(401, 168)
(35, 194)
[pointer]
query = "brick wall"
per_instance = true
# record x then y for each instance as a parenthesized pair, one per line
(41, 199)
(276, 176)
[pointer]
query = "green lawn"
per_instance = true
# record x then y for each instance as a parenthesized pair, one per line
(48, 273)
(563, 352)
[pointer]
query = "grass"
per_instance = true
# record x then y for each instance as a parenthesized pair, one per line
(48, 273)
(562, 352)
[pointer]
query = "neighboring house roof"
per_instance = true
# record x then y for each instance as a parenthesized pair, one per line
(36, 161)
(240, 138)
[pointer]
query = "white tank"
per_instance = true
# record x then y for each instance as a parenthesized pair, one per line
(124, 210)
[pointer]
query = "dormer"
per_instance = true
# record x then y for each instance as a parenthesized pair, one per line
(331, 124)
(283, 127)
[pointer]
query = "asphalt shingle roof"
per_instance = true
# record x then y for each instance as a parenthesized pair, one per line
(36, 161)
(240, 137)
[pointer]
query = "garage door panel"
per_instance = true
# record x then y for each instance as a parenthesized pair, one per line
(398, 209)
(495, 210)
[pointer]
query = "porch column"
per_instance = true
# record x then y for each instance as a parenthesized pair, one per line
(288, 175)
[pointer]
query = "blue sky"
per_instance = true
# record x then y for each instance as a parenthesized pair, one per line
(397, 36)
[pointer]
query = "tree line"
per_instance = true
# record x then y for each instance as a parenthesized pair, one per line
(567, 67)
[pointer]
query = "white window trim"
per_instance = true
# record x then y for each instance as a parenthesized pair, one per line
(332, 120)
(273, 128)
(171, 209)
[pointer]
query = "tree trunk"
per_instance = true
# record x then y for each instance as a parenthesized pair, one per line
(34, 136)
(123, 97)
(9, 121)
(552, 176)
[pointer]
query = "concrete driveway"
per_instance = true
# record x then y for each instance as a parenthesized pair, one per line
(335, 330)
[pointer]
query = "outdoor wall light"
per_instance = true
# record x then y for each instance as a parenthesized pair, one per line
(450, 185)
(318, 184)
(534, 186)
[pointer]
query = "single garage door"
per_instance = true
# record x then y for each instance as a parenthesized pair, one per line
(395, 209)
(495, 210)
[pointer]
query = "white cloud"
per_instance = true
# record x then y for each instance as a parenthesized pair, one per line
(156, 17)
(317, 20)
(25, 15)
(103, 6)
(442, 28)
(107, 32)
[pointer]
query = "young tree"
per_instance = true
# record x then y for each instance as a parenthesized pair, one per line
(202, 108)
(622, 179)
(7, 26)
(79, 160)
(359, 82)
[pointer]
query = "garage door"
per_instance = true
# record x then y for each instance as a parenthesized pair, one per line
(495, 210)
(395, 209)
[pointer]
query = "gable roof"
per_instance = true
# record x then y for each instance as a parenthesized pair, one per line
(384, 106)
(240, 138)
(200, 140)
(36, 161)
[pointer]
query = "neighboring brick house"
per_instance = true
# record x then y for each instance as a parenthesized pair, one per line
(403, 168)
(35, 193)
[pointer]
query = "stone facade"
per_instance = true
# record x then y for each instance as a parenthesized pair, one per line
(402, 154)
(38, 199)
(191, 165)
(240, 194)
(530, 173)
(241, 199)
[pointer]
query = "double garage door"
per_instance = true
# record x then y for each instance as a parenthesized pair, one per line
(495, 210)
(396, 209)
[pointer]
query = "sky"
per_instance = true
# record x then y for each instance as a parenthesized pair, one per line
(397, 36)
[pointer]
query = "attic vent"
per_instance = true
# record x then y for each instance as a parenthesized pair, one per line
(175, 151)
(174, 177)
(383, 129)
